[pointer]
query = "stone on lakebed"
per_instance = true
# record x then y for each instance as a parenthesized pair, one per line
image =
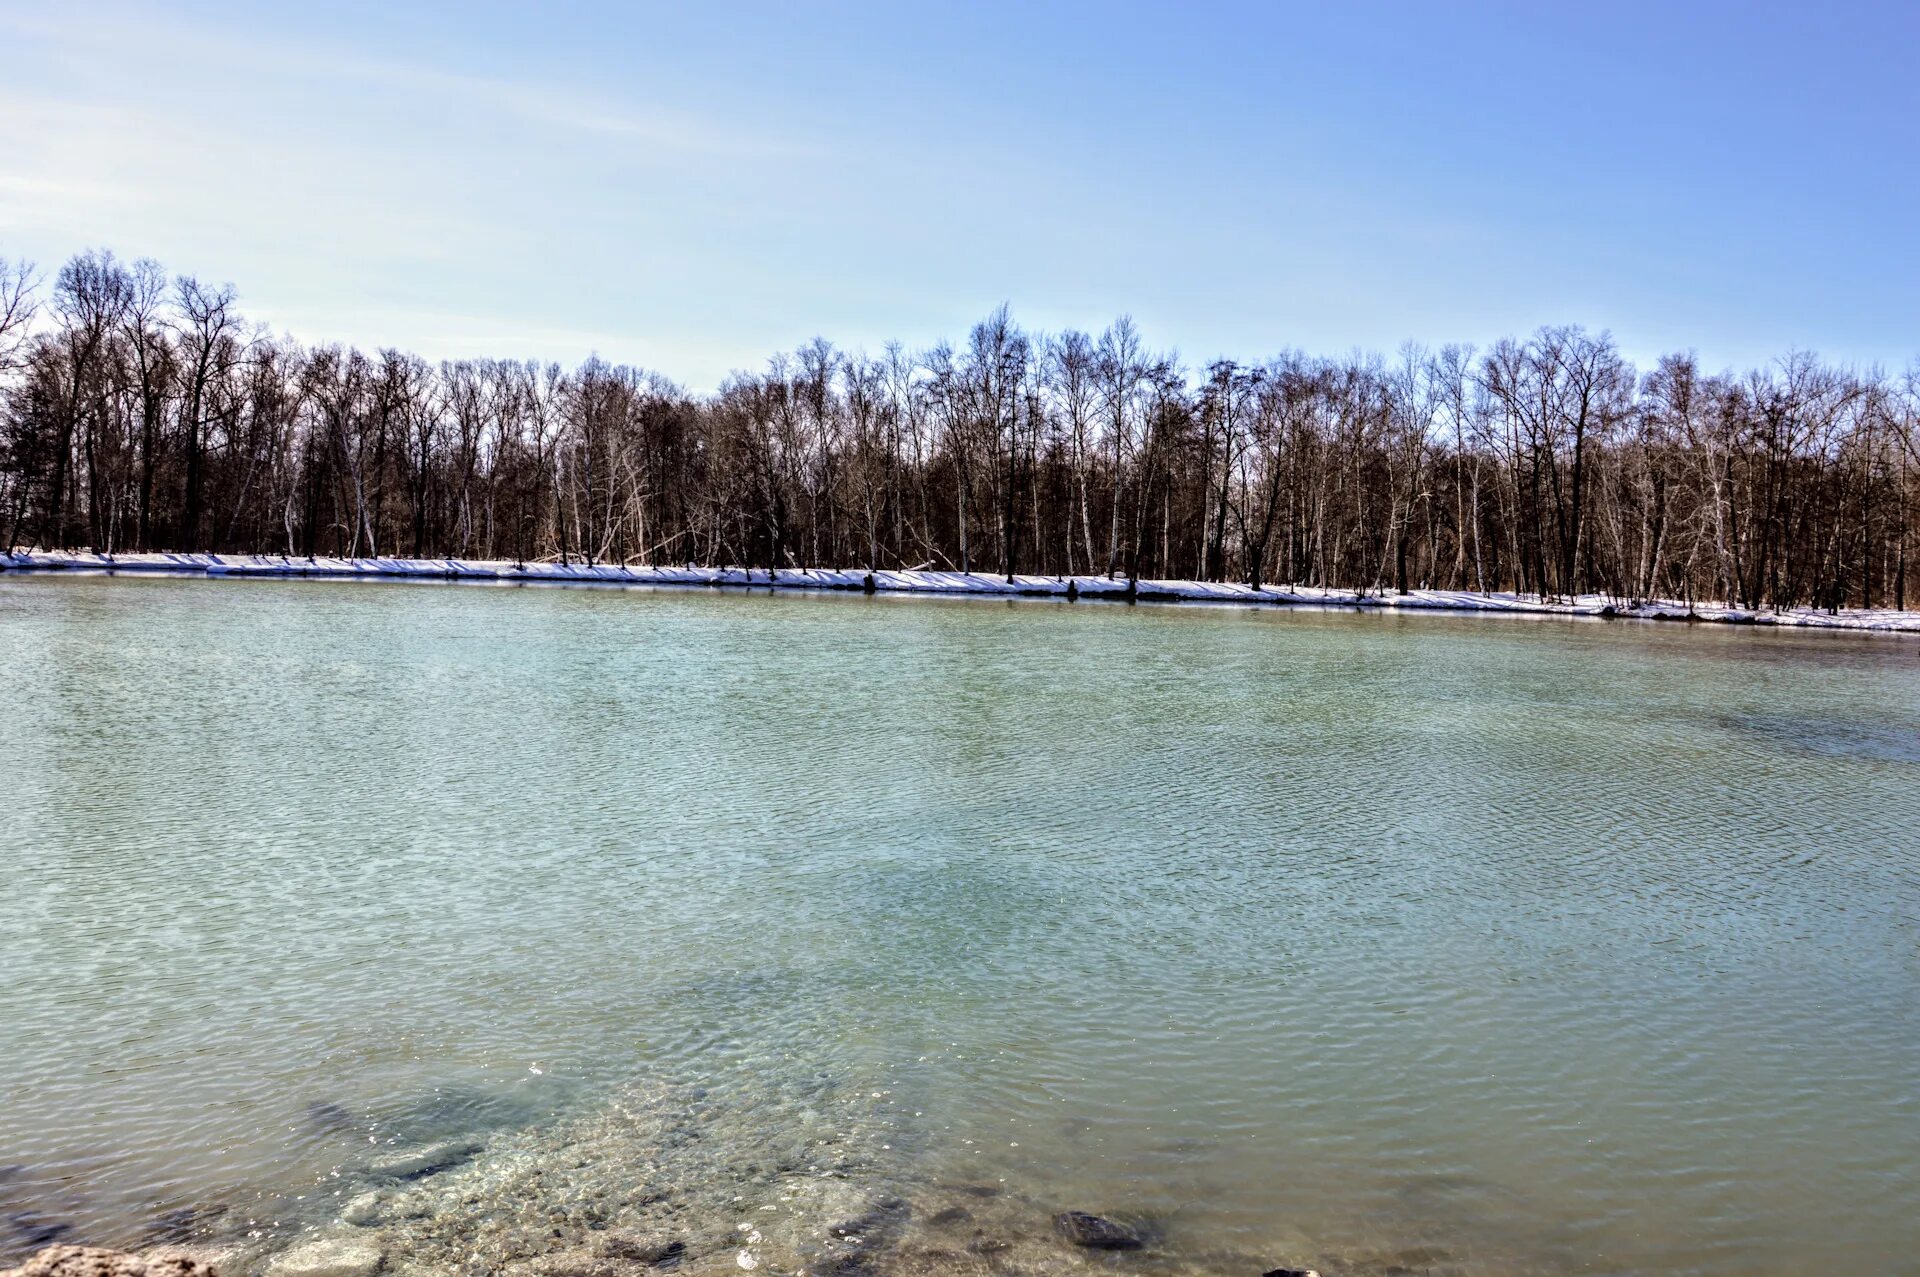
(364, 1209)
(1096, 1232)
(425, 1160)
(643, 1247)
(328, 1257)
(621, 1252)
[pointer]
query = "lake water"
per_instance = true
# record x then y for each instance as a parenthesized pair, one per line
(1430, 944)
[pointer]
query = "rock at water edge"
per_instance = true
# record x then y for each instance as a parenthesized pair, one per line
(91, 1261)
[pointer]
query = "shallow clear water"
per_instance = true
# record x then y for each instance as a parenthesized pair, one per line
(1484, 945)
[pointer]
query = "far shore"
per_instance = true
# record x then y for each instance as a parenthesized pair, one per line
(958, 584)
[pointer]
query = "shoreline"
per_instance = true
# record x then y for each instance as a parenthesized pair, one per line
(806, 1175)
(948, 584)
(793, 1167)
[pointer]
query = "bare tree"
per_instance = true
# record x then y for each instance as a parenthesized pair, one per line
(134, 414)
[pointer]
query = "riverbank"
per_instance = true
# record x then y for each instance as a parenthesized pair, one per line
(961, 584)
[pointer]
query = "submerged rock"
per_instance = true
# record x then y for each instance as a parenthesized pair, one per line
(90, 1261)
(644, 1247)
(364, 1209)
(329, 1118)
(570, 1263)
(849, 1210)
(31, 1229)
(1096, 1232)
(415, 1162)
(621, 1252)
(451, 1112)
(180, 1224)
(328, 1257)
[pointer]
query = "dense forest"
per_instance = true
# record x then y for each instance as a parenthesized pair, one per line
(139, 411)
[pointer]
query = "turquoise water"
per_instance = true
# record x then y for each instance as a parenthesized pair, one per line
(1468, 945)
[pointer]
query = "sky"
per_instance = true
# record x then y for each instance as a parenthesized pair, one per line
(693, 187)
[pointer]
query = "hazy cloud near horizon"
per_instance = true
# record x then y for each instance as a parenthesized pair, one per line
(692, 191)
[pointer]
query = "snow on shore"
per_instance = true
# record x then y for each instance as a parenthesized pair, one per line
(944, 583)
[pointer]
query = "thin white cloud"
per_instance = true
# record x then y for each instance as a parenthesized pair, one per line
(659, 128)
(84, 34)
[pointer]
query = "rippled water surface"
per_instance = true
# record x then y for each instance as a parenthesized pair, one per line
(1445, 944)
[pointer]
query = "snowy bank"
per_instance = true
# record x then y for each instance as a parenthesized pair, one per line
(942, 583)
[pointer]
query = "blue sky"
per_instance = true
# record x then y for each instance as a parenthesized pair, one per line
(693, 187)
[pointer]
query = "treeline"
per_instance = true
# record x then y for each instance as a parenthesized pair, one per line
(142, 412)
